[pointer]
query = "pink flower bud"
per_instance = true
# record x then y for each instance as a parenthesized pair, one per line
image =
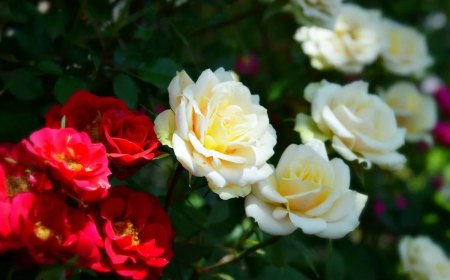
(379, 207)
(442, 96)
(247, 65)
(442, 133)
(401, 202)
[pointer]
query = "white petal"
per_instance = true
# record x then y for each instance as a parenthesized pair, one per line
(342, 207)
(342, 174)
(391, 161)
(183, 152)
(165, 126)
(176, 88)
(308, 225)
(230, 191)
(262, 213)
(335, 124)
(266, 190)
(342, 227)
(319, 147)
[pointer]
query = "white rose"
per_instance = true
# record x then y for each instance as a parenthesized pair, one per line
(423, 259)
(356, 40)
(318, 12)
(218, 130)
(306, 191)
(414, 111)
(360, 125)
(406, 52)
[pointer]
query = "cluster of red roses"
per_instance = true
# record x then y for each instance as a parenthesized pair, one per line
(55, 197)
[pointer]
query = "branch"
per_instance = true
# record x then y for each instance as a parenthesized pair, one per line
(231, 258)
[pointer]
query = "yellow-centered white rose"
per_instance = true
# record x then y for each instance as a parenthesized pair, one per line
(423, 259)
(356, 41)
(361, 126)
(406, 52)
(306, 191)
(218, 130)
(321, 13)
(414, 111)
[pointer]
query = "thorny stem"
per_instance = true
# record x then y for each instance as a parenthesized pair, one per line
(231, 258)
(173, 182)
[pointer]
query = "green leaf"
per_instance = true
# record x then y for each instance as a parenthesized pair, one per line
(49, 67)
(55, 23)
(160, 73)
(65, 86)
(23, 84)
(307, 128)
(276, 90)
(126, 89)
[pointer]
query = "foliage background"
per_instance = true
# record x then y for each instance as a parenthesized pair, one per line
(76, 44)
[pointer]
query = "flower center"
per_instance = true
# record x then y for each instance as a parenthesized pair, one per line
(126, 228)
(42, 232)
(71, 163)
(16, 185)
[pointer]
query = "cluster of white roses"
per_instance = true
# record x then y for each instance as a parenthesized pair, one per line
(358, 37)
(218, 130)
(422, 259)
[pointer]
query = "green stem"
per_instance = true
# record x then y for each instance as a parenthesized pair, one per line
(173, 182)
(231, 258)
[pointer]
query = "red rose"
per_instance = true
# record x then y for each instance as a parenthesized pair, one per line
(74, 160)
(130, 140)
(83, 112)
(3, 187)
(51, 230)
(137, 234)
(23, 172)
(9, 240)
(53, 117)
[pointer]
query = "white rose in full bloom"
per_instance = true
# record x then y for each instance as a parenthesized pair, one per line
(423, 259)
(414, 111)
(306, 191)
(319, 12)
(360, 125)
(218, 130)
(356, 41)
(406, 52)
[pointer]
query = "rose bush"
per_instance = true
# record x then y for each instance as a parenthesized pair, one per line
(218, 130)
